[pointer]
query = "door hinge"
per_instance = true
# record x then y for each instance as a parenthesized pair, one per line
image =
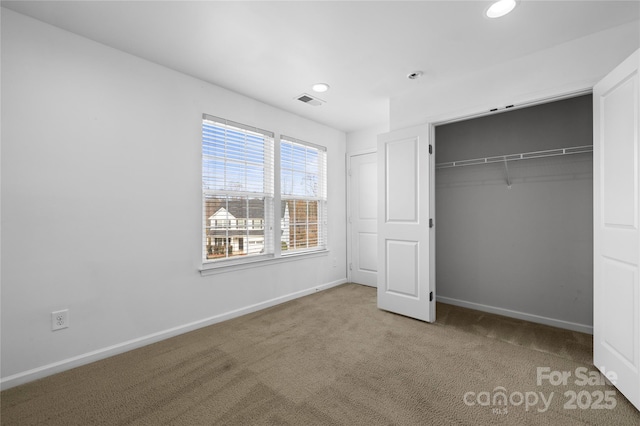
(430, 223)
(431, 297)
(430, 149)
(350, 266)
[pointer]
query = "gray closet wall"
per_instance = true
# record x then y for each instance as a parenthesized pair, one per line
(527, 250)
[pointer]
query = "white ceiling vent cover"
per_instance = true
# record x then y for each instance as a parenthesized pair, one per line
(309, 100)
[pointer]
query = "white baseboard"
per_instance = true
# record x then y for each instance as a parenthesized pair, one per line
(519, 315)
(89, 357)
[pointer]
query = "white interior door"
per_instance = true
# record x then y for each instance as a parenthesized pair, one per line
(405, 284)
(363, 218)
(616, 324)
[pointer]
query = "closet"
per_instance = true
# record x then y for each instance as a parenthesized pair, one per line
(514, 213)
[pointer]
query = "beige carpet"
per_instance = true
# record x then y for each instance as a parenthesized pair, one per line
(332, 358)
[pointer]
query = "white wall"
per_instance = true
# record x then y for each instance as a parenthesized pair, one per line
(101, 202)
(566, 68)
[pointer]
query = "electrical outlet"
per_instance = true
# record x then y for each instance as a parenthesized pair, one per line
(59, 319)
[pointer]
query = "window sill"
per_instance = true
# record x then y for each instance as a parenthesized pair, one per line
(256, 262)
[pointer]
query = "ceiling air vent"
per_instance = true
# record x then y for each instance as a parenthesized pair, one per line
(309, 100)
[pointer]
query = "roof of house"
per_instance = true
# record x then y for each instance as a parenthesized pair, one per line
(239, 208)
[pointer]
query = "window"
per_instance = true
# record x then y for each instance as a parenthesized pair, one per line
(237, 189)
(303, 196)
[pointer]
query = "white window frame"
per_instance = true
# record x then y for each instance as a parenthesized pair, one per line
(272, 221)
(318, 194)
(223, 189)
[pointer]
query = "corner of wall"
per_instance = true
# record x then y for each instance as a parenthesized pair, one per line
(365, 139)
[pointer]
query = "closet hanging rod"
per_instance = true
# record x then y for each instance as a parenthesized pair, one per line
(514, 157)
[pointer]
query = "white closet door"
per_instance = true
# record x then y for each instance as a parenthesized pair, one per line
(363, 213)
(616, 154)
(404, 235)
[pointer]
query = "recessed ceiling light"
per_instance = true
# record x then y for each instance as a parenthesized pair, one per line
(500, 8)
(320, 87)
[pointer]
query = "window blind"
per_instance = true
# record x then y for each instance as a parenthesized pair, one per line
(236, 158)
(237, 186)
(303, 185)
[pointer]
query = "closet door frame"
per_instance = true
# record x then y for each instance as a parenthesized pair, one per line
(473, 114)
(464, 115)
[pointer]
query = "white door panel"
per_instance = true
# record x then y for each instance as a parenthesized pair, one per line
(363, 216)
(367, 259)
(401, 186)
(616, 157)
(404, 280)
(405, 284)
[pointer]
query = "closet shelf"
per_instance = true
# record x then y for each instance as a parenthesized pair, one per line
(514, 157)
